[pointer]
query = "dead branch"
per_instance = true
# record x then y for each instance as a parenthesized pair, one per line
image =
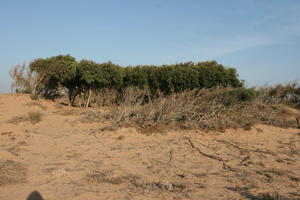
(249, 150)
(227, 167)
(201, 152)
(171, 155)
(244, 159)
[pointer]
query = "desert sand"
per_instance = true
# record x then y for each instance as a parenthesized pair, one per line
(65, 157)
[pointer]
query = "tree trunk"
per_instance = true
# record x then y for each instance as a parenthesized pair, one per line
(89, 98)
(73, 100)
(70, 99)
(72, 96)
(75, 94)
(34, 89)
(37, 84)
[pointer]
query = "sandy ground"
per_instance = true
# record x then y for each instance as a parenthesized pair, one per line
(64, 157)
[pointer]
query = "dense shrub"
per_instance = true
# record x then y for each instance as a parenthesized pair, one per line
(230, 97)
(47, 76)
(180, 77)
(94, 77)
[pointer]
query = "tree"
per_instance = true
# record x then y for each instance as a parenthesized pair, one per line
(135, 76)
(90, 77)
(112, 75)
(47, 76)
(42, 73)
(63, 68)
(95, 76)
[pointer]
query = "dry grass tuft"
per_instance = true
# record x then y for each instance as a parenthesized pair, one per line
(33, 117)
(67, 112)
(43, 107)
(108, 177)
(17, 119)
(112, 127)
(12, 172)
(134, 180)
(288, 94)
(91, 116)
(268, 196)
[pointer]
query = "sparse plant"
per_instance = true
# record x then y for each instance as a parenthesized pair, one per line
(22, 79)
(268, 196)
(43, 107)
(33, 117)
(92, 116)
(247, 126)
(17, 119)
(34, 97)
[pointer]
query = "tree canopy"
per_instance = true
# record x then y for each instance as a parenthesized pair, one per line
(63, 71)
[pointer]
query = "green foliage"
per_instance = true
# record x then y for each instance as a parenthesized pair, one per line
(96, 76)
(40, 66)
(89, 73)
(63, 70)
(181, 77)
(232, 97)
(135, 76)
(112, 75)
(229, 96)
(52, 72)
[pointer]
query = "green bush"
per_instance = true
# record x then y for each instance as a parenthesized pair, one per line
(243, 94)
(180, 77)
(88, 76)
(231, 96)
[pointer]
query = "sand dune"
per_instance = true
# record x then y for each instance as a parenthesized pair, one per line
(64, 157)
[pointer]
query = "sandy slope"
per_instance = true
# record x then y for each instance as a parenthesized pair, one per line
(65, 158)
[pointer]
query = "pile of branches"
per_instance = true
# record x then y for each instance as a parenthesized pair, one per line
(207, 109)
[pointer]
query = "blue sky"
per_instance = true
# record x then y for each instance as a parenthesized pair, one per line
(260, 38)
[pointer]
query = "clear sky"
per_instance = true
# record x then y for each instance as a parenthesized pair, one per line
(261, 38)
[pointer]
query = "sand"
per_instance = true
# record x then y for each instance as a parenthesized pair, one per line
(66, 157)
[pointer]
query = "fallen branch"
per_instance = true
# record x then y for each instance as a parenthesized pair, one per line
(227, 167)
(249, 150)
(244, 159)
(171, 155)
(6, 133)
(201, 152)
